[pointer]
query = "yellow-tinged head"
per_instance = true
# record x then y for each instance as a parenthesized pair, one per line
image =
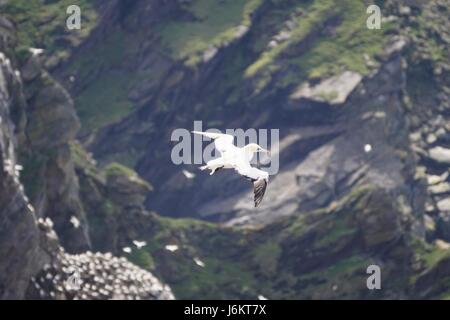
(253, 147)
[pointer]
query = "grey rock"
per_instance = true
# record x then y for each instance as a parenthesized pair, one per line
(52, 118)
(32, 260)
(31, 69)
(19, 241)
(334, 90)
(443, 226)
(209, 53)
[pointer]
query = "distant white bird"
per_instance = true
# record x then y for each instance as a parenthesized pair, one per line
(188, 175)
(126, 249)
(238, 159)
(199, 262)
(367, 148)
(75, 222)
(171, 247)
(139, 244)
(36, 51)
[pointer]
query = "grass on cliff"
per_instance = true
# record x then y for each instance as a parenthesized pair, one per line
(329, 37)
(210, 23)
(82, 158)
(43, 23)
(308, 256)
(188, 279)
(115, 169)
(103, 102)
(276, 261)
(345, 49)
(307, 16)
(430, 254)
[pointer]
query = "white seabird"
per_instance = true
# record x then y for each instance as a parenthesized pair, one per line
(75, 222)
(188, 175)
(36, 51)
(238, 159)
(139, 244)
(171, 247)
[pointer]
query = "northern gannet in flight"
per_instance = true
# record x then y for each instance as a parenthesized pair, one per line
(238, 159)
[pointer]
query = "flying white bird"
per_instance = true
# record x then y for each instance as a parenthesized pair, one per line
(238, 159)
(126, 249)
(139, 244)
(188, 175)
(75, 222)
(171, 247)
(36, 51)
(199, 262)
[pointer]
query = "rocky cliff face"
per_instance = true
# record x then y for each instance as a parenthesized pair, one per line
(36, 125)
(20, 236)
(276, 60)
(364, 148)
(51, 123)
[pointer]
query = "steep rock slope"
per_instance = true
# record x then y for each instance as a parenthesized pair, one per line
(428, 104)
(212, 61)
(277, 60)
(33, 263)
(49, 176)
(363, 144)
(282, 67)
(323, 156)
(320, 254)
(19, 233)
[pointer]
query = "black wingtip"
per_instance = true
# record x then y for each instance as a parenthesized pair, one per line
(259, 189)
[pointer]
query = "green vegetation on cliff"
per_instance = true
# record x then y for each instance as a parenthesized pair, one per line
(104, 102)
(315, 254)
(310, 256)
(324, 39)
(42, 25)
(212, 23)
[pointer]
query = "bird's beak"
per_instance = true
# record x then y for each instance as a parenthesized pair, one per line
(266, 151)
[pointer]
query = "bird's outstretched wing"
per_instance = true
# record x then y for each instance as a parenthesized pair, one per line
(259, 178)
(259, 189)
(222, 142)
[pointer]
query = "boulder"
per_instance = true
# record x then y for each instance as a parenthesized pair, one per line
(334, 90)
(443, 226)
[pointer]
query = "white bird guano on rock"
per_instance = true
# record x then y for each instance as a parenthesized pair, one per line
(232, 157)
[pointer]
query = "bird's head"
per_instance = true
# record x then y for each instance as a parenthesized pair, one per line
(253, 147)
